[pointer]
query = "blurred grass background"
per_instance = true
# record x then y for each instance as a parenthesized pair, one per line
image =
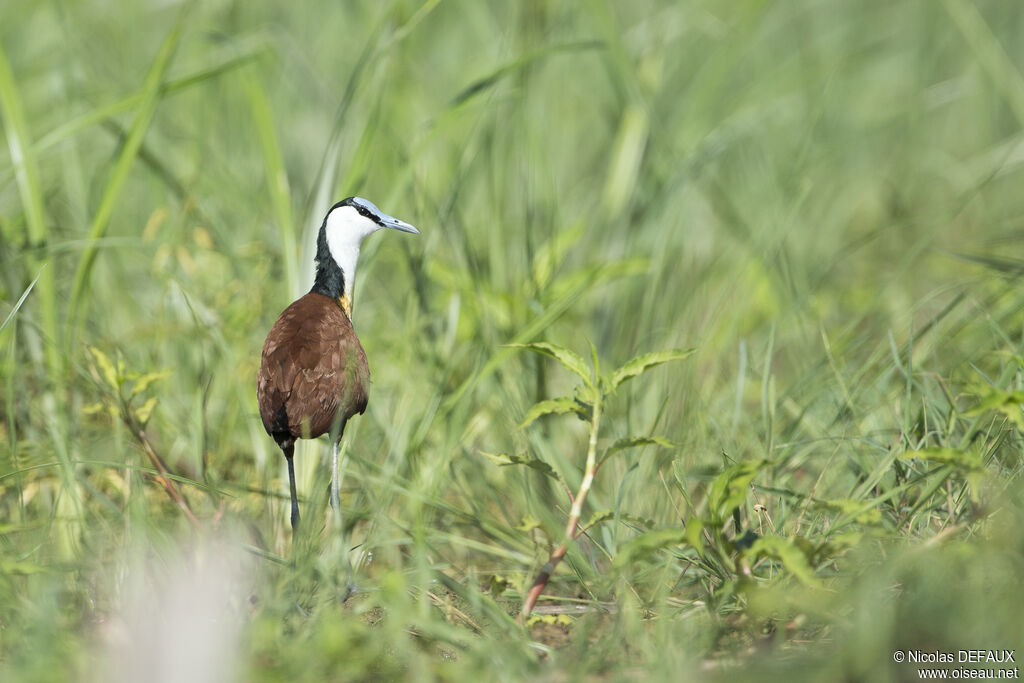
(824, 197)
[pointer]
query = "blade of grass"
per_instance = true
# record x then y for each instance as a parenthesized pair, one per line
(31, 193)
(144, 116)
(990, 52)
(105, 112)
(17, 306)
(277, 179)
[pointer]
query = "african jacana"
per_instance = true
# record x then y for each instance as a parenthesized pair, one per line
(313, 372)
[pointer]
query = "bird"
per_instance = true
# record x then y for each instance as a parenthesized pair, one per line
(313, 373)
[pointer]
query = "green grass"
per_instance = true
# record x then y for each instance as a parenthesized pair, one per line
(823, 198)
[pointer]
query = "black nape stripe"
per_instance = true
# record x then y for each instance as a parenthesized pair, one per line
(330, 281)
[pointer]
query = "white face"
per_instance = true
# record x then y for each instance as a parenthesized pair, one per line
(346, 228)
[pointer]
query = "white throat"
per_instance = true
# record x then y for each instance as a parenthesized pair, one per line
(347, 257)
(346, 229)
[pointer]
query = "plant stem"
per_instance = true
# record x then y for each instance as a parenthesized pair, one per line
(162, 470)
(575, 512)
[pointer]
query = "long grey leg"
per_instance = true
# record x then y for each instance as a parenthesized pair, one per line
(335, 470)
(335, 482)
(288, 453)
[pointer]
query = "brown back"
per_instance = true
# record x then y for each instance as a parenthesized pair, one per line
(313, 371)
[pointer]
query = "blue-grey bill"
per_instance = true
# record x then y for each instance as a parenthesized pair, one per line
(392, 222)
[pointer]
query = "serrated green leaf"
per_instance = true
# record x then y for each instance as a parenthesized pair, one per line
(600, 516)
(643, 363)
(789, 554)
(585, 396)
(569, 359)
(646, 544)
(635, 442)
(967, 460)
(554, 406)
(729, 489)
(505, 460)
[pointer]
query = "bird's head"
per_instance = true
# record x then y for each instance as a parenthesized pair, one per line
(337, 254)
(352, 219)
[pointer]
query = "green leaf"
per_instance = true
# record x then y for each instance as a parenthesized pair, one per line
(635, 442)
(143, 412)
(729, 489)
(789, 554)
(693, 533)
(106, 368)
(965, 460)
(569, 359)
(97, 407)
(528, 524)
(505, 460)
(142, 383)
(21, 301)
(498, 584)
(996, 399)
(554, 406)
(646, 544)
(643, 363)
(1009, 403)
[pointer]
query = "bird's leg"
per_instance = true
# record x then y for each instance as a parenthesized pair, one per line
(350, 586)
(335, 482)
(335, 470)
(289, 451)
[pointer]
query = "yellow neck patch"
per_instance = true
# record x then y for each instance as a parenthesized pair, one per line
(346, 305)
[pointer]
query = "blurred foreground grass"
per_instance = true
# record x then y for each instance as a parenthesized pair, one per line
(822, 197)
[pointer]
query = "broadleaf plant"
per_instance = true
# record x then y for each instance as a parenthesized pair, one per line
(587, 404)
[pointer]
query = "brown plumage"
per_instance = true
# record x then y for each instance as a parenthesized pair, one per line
(313, 372)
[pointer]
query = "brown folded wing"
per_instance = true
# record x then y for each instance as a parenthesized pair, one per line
(313, 372)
